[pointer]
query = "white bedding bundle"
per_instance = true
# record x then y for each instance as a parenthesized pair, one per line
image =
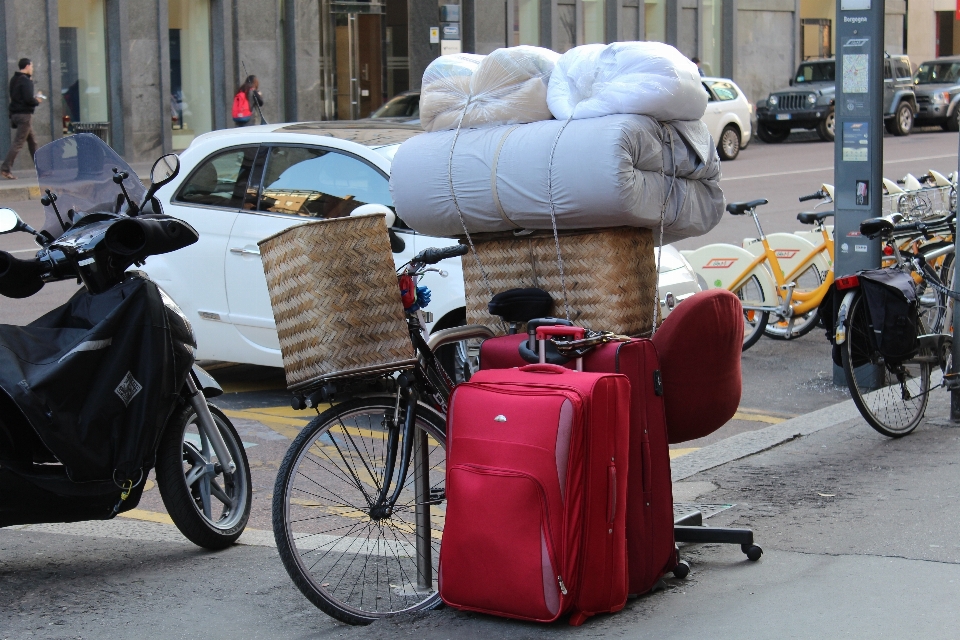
(606, 172)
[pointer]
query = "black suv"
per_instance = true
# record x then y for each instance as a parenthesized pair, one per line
(809, 102)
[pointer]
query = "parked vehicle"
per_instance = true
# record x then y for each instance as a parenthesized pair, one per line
(403, 108)
(239, 186)
(96, 392)
(728, 116)
(937, 85)
(809, 101)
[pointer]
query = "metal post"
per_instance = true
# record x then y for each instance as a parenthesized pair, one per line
(955, 348)
(421, 483)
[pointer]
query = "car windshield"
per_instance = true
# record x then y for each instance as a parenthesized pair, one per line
(79, 169)
(816, 72)
(938, 72)
(403, 106)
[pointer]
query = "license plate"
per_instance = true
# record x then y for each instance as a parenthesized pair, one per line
(783, 116)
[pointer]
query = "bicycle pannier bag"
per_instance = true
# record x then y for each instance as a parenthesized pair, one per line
(536, 494)
(651, 550)
(892, 307)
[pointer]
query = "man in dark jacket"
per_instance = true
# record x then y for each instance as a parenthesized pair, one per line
(22, 103)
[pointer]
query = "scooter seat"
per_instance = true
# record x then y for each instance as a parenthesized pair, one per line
(809, 217)
(740, 208)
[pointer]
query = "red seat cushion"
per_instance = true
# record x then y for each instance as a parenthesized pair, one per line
(699, 345)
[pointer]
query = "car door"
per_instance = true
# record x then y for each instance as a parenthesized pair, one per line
(889, 87)
(713, 116)
(209, 200)
(297, 183)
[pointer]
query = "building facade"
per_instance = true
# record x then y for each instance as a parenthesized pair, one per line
(161, 72)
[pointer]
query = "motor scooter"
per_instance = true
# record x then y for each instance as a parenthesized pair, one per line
(96, 393)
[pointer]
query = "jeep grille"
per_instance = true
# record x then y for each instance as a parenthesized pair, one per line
(792, 101)
(923, 98)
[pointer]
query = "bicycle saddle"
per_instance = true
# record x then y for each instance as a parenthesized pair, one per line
(521, 305)
(809, 217)
(872, 227)
(740, 208)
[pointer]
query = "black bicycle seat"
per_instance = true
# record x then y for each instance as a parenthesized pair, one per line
(809, 217)
(873, 227)
(740, 208)
(521, 305)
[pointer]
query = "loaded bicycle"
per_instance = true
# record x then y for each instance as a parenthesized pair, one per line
(359, 501)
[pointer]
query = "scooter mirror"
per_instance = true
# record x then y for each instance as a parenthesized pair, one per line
(164, 170)
(9, 221)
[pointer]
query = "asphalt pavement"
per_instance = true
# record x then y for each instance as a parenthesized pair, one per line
(858, 531)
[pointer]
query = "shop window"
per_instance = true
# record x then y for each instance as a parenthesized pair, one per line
(190, 80)
(221, 180)
(593, 22)
(526, 22)
(566, 35)
(654, 20)
(83, 61)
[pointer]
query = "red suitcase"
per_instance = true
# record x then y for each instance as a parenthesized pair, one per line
(535, 521)
(651, 548)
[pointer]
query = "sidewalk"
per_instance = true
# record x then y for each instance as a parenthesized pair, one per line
(25, 187)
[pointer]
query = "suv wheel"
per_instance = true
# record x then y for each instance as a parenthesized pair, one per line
(826, 129)
(902, 122)
(729, 145)
(772, 136)
(953, 122)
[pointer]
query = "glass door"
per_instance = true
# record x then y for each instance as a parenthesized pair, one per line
(353, 36)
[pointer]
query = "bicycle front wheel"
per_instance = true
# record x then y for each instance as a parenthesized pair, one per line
(892, 399)
(808, 281)
(754, 322)
(352, 560)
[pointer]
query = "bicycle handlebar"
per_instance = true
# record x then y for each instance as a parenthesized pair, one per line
(433, 255)
(819, 195)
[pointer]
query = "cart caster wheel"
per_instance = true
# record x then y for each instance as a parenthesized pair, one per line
(682, 570)
(753, 551)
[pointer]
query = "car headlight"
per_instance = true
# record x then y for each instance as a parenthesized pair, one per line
(940, 98)
(812, 98)
(772, 101)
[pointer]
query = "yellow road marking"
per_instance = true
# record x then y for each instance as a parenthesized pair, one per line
(146, 516)
(757, 417)
(246, 387)
(676, 453)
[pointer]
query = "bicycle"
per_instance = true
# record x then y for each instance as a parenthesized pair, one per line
(359, 500)
(762, 285)
(892, 395)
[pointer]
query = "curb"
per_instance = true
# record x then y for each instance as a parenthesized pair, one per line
(751, 442)
(18, 193)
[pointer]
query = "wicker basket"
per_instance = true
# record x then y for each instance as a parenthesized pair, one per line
(610, 274)
(335, 300)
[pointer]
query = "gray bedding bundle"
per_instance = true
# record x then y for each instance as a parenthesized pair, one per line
(610, 171)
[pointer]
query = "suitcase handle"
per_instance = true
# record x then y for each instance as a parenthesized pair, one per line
(544, 368)
(558, 330)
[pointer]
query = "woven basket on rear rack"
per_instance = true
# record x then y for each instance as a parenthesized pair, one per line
(610, 274)
(335, 300)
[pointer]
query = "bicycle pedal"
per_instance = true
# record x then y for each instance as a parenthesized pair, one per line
(951, 381)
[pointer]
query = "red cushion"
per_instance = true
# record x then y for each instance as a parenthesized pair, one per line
(699, 345)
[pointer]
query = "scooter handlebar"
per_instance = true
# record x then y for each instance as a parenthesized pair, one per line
(19, 278)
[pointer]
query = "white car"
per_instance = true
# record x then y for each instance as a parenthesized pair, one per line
(728, 116)
(239, 186)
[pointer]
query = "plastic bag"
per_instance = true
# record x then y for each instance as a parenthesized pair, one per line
(646, 78)
(509, 86)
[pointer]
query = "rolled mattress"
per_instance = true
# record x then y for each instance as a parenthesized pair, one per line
(611, 171)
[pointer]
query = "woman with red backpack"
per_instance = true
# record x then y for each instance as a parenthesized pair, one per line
(243, 101)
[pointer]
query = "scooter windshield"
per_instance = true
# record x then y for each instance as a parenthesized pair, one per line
(79, 169)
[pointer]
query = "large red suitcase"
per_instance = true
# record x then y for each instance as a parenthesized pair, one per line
(536, 490)
(651, 549)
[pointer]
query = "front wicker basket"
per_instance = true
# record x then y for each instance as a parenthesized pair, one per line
(335, 300)
(610, 275)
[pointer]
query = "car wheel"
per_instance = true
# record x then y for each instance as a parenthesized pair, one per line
(902, 120)
(772, 136)
(729, 145)
(953, 122)
(826, 129)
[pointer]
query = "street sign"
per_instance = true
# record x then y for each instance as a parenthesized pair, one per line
(858, 147)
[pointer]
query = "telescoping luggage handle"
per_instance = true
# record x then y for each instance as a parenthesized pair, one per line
(577, 333)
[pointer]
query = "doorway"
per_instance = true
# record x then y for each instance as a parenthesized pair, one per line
(353, 60)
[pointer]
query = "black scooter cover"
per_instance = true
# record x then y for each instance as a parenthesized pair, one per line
(98, 377)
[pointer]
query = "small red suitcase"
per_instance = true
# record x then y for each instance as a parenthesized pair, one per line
(535, 521)
(651, 549)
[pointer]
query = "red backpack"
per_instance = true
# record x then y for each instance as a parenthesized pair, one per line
(241, 106)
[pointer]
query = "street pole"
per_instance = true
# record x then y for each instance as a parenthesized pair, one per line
(858, 145)
(955, 344)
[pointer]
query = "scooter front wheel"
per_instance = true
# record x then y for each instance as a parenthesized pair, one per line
(209, 506)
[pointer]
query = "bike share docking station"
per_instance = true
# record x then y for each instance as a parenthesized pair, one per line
(858, 146)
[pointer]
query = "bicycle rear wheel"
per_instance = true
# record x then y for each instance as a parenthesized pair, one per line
(754, 322)
(892, 399)
(353, 563)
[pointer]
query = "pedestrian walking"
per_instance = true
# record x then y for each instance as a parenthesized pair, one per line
(22, 103)
(243, 101)
(696, 61)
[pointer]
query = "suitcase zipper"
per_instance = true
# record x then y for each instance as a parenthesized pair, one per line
(563, 587)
